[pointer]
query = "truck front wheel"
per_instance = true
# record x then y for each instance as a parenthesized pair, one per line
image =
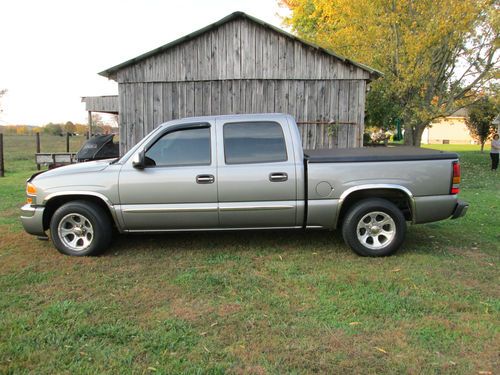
(374, 227)
(80, 228)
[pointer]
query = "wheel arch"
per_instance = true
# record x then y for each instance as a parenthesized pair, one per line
(53, 201)
(401, 196)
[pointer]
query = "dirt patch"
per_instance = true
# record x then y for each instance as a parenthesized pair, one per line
(15, 243)
(228, 309)
(11, 212)
(19, 250)
(190, 311)
(250, 370)
(474, 253)
(308, 350)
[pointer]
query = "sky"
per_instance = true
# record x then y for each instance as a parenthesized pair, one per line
(52, 50)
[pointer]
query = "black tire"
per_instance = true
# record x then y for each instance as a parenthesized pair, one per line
(374, 227)
(83, 224)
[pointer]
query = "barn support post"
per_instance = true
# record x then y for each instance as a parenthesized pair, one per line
(37, 138)
(2, 169)
(89, 134)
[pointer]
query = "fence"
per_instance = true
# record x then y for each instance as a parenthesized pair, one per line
(14, 148)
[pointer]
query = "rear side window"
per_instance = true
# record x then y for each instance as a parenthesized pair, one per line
(181, 148)
(254, 142)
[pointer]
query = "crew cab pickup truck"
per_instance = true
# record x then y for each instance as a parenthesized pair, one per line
(238, 172)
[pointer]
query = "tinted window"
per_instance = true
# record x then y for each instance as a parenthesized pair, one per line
(182, 147)
(254, 142)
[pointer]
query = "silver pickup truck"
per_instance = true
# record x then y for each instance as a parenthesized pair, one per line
(243, 172)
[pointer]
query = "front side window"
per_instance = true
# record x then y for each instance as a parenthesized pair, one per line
(181, 148)
(254, 142)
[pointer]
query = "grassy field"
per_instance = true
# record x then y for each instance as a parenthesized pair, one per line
(253, 302)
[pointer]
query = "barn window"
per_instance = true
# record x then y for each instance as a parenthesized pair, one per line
(181, 148)
(254, 142)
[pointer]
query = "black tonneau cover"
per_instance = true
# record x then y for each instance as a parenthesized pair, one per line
(375, 154)
(98, 147)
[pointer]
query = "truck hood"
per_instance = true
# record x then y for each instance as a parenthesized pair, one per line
(90, 166)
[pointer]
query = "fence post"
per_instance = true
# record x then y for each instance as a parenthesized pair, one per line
(37, 135)
(2, 173)
(67, 142)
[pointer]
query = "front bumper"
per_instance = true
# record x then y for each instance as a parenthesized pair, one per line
(32, 219)
(460, 209)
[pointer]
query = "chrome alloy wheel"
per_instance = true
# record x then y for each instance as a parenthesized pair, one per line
(76, 232)
(376, 230)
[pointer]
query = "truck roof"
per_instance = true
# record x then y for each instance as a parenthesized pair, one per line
(252, 116)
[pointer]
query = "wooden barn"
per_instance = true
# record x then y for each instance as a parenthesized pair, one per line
(241, 64)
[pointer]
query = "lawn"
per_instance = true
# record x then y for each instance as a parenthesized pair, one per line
(253, 302)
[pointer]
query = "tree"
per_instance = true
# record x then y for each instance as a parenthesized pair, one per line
(81, 128)
(113, 121)
(435, 54)
(54, 129)
(69, 127)
(381, 107)
(21, 130)
(481, 115)
(2, 93)
(106, 129)
(97, 119)
(97, 123)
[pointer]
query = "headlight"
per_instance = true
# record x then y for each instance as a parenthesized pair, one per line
(30, 189)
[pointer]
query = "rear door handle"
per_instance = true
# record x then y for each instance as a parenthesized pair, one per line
(205, 179)
(278, 177)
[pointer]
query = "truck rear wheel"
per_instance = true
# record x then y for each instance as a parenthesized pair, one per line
(374, 227)
(80, 228)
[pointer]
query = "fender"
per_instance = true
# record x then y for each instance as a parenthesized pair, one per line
(353, 189)
(102, 197)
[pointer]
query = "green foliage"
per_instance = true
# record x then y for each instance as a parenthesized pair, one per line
(367, 138)
(53, 129)
(382, 107)
(480, 119)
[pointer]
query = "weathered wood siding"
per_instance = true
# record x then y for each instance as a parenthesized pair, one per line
(143, 106)
(240, 49)
(244, 67)
(107, 104)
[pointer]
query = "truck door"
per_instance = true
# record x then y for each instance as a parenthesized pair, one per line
(256, 174)
(177, 188)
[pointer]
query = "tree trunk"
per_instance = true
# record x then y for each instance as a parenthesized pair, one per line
(482, 146)
(413, 135)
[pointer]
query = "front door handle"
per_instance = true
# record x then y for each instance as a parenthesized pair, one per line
(205, 179)
(278, 177)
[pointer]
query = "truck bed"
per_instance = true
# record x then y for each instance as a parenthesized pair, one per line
(376, 154)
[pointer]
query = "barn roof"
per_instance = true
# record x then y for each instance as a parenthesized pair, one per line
(110, 73)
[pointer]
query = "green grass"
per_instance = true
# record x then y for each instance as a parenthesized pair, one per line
(253, 302)
(19, 154)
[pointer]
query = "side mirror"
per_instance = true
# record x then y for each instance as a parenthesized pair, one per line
(138, 160)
